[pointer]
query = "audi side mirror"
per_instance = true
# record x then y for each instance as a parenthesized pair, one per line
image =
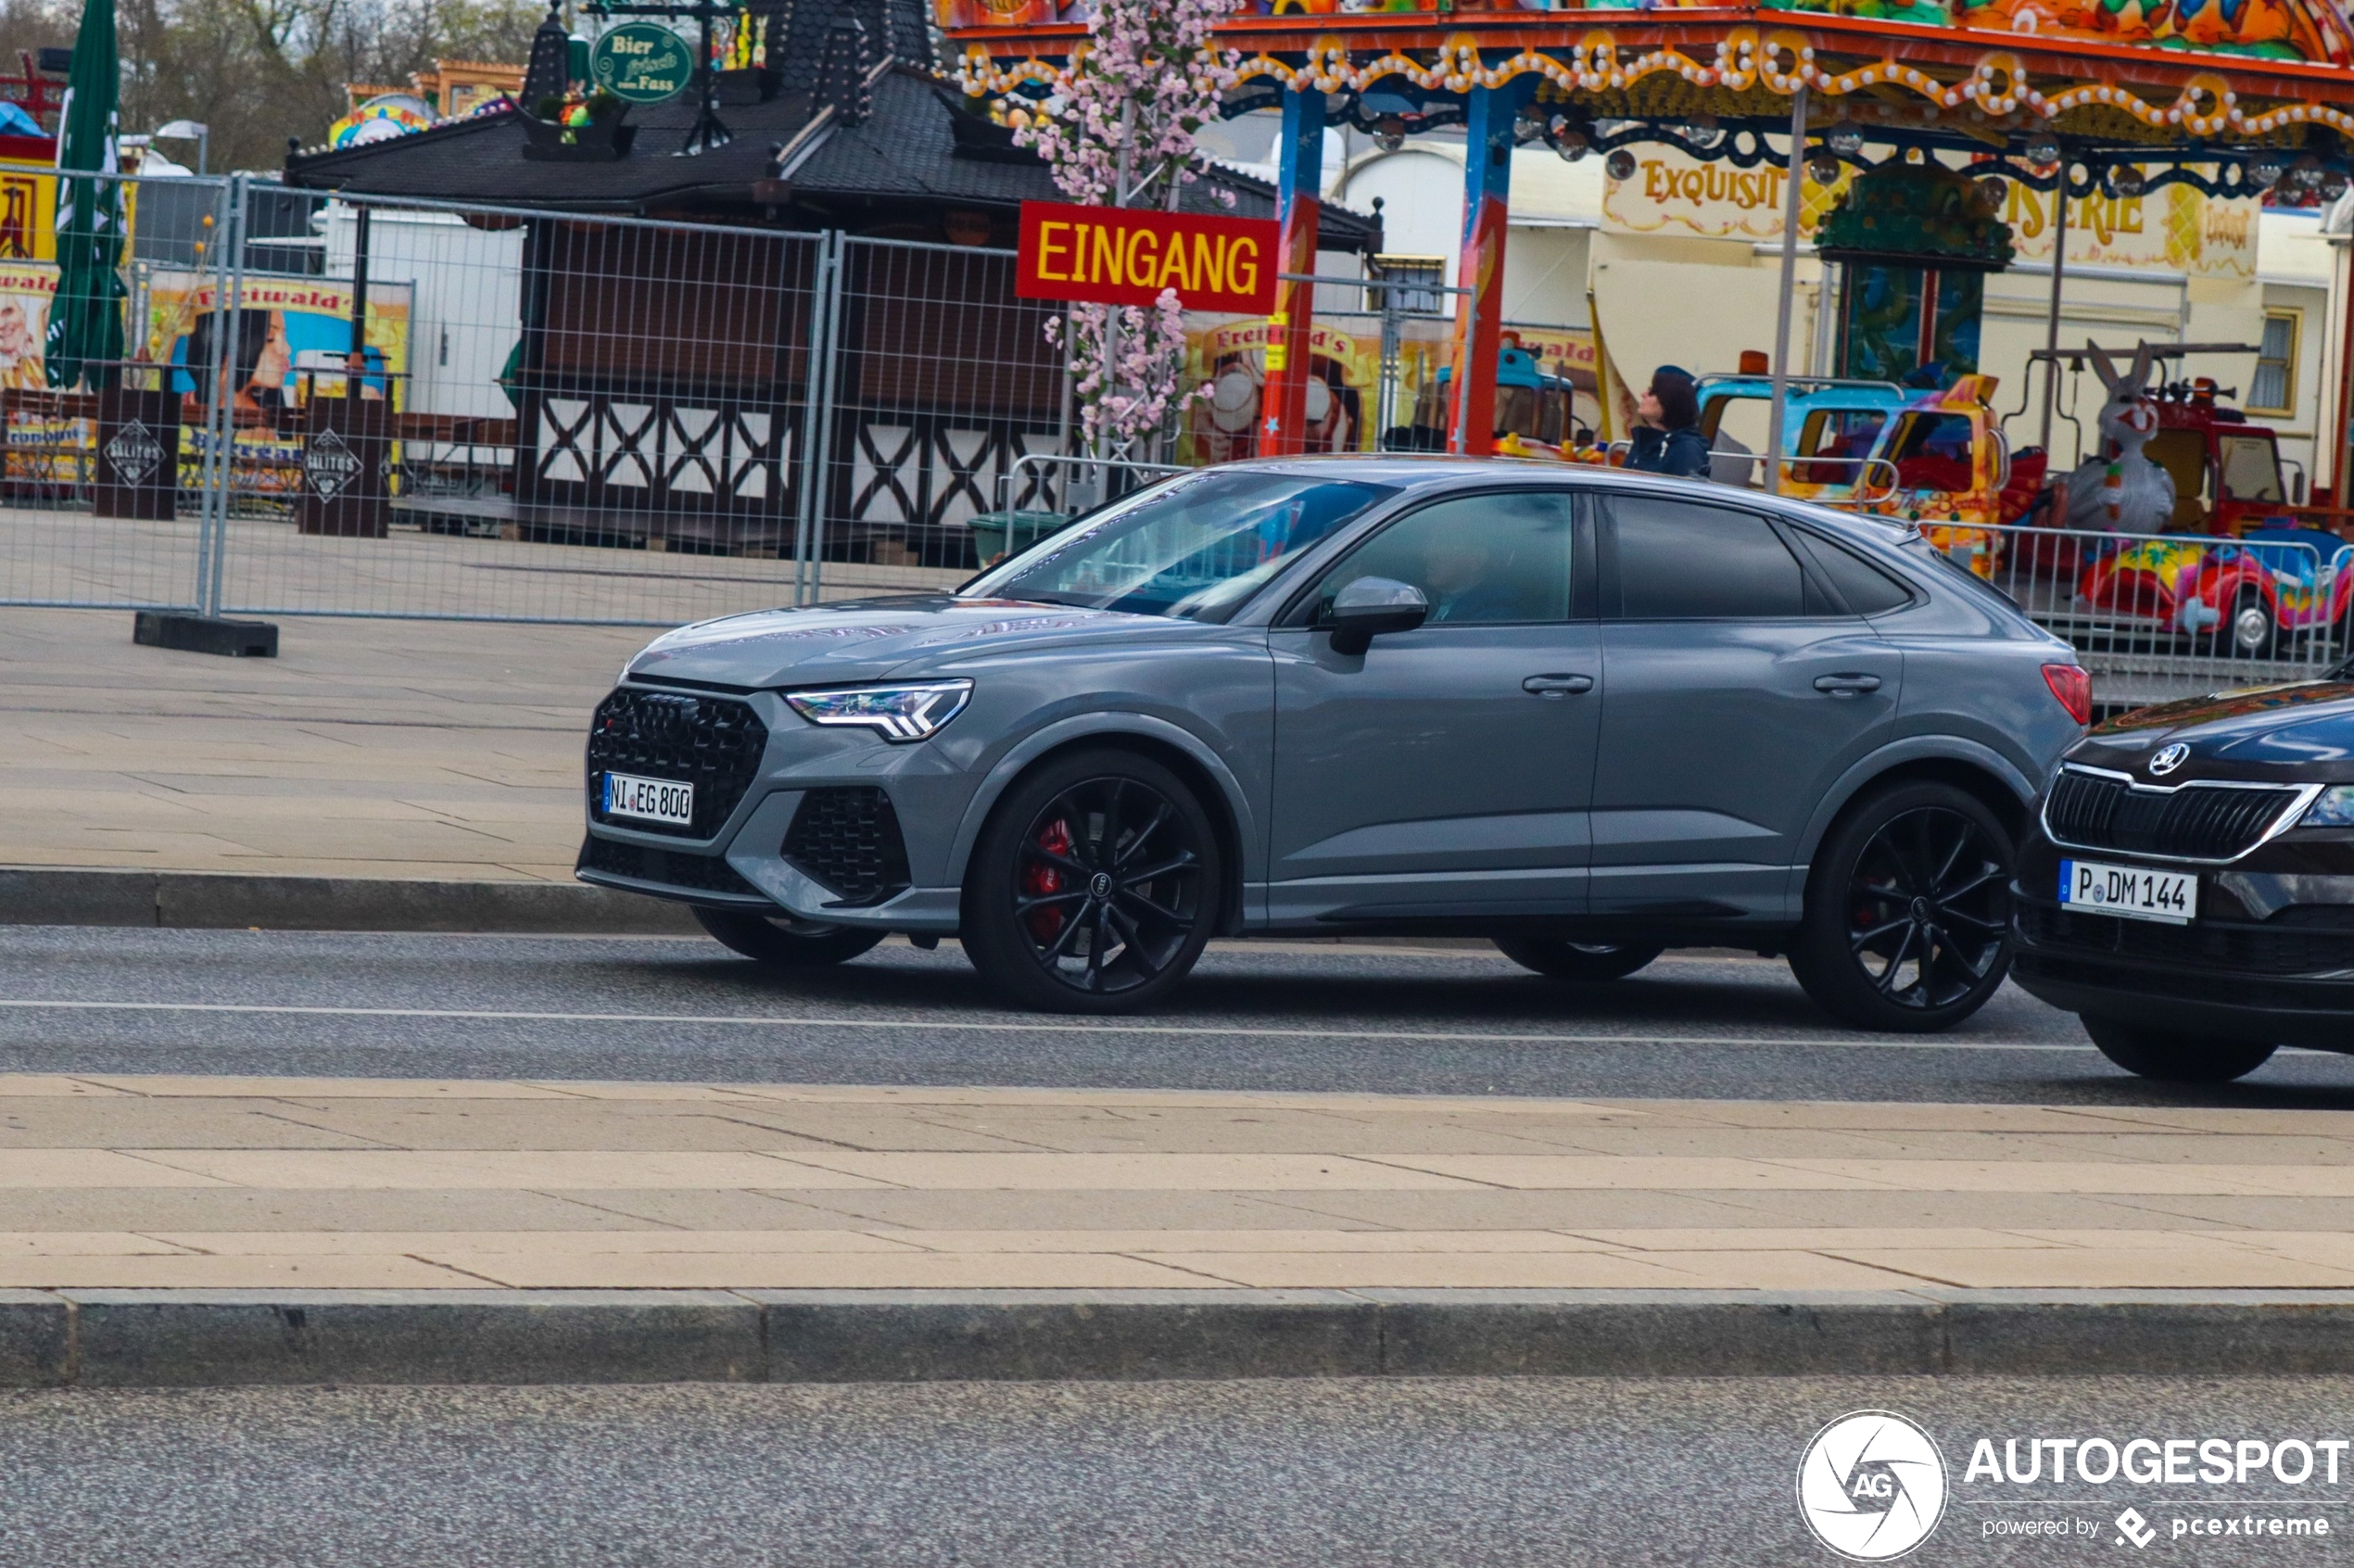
(1369, 607)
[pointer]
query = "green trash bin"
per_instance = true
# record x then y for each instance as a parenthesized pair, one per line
(1000, 534)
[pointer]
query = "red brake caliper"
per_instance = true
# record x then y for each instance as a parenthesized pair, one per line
(1042, 878)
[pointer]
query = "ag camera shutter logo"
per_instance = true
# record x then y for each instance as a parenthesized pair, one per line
(1871, 1486)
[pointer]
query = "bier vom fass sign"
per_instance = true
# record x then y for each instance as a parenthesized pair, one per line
(641, 63)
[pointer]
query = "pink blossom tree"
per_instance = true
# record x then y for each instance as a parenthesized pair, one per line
(1119, 131)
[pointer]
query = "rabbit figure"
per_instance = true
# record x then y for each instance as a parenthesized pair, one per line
(2127, 493)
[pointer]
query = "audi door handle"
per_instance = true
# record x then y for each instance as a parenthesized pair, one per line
(1847, 685)
(1558, 685)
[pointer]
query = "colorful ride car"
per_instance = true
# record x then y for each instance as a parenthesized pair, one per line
(1936, 458)
(2249, 597)
(1956, 477)
(1837, 425)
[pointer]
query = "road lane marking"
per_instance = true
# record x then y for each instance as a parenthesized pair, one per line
(1240, 1031)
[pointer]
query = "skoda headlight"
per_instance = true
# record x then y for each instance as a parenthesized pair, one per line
(899, 714)
(2333, 807)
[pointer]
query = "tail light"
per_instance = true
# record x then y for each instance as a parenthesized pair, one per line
(2073, 688)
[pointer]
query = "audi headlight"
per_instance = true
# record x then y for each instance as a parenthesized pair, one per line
(899, 714)
(2333, 807)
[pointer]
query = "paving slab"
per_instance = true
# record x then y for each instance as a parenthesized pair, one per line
(125, 1181)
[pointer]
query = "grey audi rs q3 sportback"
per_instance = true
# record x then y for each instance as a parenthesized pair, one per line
(1586, 714)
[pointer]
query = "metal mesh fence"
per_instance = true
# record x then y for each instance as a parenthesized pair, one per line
(370, 407)
(102, 479)
(2160, 616)
(585, 419)
(938, 383)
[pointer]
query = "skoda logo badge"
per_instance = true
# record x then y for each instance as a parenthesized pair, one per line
(2169, 759)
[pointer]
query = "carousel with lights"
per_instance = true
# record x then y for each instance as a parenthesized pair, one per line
(1923, 112)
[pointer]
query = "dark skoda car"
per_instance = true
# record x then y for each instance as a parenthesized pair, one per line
(1588, 715)
(2191, 892)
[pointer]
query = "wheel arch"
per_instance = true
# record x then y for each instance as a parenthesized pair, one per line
(1986, 774)
(1173, 747)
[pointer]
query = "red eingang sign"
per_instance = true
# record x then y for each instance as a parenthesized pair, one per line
(1126, 256)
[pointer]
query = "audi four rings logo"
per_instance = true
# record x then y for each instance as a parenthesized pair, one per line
(1871, 1486)
(2168, 759)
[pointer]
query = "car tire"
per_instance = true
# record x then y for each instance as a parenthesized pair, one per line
(1907, 927)
(1095, 886)
(2174, 1057)
(1581, 962)
(782, 942)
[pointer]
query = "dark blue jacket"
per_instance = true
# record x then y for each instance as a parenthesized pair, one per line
(1682, 452)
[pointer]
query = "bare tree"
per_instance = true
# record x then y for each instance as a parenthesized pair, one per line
(260, 72)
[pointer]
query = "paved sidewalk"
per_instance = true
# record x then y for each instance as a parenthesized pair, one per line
(341, 1184)
(367, 749)
(426, 749)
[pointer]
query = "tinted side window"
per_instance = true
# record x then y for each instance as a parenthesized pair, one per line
(1489, 558)
(1867, 589)
(1678, 562)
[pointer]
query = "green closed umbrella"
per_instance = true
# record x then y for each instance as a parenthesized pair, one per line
(85, 320)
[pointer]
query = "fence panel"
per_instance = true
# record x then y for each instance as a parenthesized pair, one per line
(2160, 616)
(557, 419)
(942, 383)
(101, 491)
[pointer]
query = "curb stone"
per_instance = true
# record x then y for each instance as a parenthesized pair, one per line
(235, 900)
(188, 1339)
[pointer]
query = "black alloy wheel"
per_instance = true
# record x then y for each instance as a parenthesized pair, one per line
(783, 942)
(1907, 923)
(1579, 962)
(1094, 888)
(2174, 1057)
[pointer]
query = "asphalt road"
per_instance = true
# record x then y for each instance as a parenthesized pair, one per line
(1453, 1474)
(1257, 1017)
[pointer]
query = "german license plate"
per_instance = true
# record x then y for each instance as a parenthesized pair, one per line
(656, 800)
(2134, 892)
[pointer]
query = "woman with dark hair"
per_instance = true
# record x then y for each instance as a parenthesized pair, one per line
(1667, 439)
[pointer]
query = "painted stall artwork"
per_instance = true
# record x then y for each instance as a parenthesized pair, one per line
(1545, 396)
(1548, 402)
(1900, 319)
(2264, 29)
(26, 289)
(27, 214)
(1228, 355)
(1034, 13)
(46, 454)
(293, 343)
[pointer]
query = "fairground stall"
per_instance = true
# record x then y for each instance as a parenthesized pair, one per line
(1918, 120)
(2117, 100)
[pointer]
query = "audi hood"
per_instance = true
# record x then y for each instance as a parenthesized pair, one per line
(877, 639)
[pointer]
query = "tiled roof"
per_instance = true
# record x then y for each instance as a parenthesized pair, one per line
(905, 149)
